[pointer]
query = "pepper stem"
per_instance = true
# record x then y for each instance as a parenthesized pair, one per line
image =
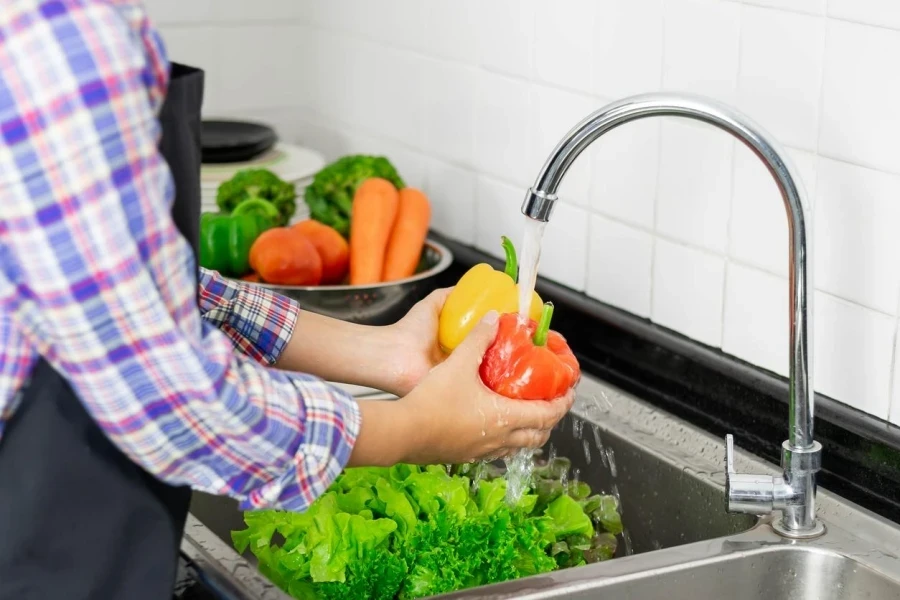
(543, 328)
(512, 263)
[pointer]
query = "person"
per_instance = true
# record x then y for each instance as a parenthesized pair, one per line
(121, 387)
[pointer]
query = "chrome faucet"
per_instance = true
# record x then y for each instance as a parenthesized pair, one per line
(794, 494)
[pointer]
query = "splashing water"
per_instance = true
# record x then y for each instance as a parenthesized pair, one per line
(478, 476)
(577, 427)
(612, 462)
(519, 468)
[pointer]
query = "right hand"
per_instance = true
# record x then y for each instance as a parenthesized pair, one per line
(454, 418)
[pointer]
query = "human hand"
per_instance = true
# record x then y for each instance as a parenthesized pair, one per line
(452, 417)
(414, 343)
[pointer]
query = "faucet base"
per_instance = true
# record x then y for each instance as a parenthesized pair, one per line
(818, 530)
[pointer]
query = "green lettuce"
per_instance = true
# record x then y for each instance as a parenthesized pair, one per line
(409, 532)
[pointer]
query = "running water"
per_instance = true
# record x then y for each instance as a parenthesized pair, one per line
(529, 258)
(520, 465)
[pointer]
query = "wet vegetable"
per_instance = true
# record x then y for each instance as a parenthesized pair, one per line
(410, 532)
(527, 361)
(480, 290)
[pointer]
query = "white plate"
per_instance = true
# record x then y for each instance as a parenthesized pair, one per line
(290, 162)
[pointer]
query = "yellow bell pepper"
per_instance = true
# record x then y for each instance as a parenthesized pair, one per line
(480, 290)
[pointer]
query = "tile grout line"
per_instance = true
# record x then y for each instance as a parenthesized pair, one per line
(894, 399)
(734, 151)
(659, 159)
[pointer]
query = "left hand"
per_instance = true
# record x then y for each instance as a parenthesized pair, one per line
(415, 339)
(392, 358)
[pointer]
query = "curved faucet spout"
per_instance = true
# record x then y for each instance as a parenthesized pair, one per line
(794, 494)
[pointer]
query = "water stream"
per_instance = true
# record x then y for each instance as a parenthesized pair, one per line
(520, 465)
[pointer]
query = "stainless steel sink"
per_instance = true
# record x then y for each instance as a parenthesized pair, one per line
(747, 567)
(681, 542)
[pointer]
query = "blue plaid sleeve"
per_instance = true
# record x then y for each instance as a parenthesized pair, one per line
(259, 322)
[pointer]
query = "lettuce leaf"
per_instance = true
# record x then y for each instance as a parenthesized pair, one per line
(410, 532)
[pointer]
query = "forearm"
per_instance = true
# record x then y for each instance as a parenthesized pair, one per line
(344, 352)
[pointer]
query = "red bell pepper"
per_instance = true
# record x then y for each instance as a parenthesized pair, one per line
(527, 361)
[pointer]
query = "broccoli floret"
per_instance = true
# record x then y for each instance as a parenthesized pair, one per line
(330, 195)
(258, 183)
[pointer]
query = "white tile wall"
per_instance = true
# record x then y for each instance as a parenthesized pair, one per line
(669, 220)
(687, 291)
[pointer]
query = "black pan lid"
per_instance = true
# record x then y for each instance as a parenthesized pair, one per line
(235, 141)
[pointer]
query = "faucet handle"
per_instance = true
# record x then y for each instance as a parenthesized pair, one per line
(749, 494)
(729, 456)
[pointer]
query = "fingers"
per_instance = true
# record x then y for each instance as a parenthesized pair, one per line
(434, 302)
(538, 414)
(498, 455)
(438, 296)
(528, 438)
(479, 339)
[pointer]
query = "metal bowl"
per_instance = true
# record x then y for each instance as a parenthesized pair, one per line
(377, 304)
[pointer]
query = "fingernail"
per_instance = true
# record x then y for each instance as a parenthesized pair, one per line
(491, 317)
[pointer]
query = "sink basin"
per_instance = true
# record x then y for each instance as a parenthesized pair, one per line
(736, 570)
(679, 543)
(780, 574)
(664, 503)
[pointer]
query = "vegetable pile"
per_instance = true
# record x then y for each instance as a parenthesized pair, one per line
(330, 195)
(366, 226)
(410, 532)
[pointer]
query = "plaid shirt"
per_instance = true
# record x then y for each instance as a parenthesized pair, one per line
(95, 278)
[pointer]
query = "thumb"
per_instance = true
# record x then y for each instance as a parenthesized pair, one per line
(480, 338)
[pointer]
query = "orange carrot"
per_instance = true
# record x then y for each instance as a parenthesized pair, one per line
(408, 237)
(372, 217)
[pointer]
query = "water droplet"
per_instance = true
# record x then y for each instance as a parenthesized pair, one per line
(626, 537)
(577, 425)
(611, 456)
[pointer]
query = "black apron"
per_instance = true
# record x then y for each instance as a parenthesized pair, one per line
(78, 519)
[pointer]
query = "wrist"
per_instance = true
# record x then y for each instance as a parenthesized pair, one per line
(409, 431)
(392, 364)
(388, 434)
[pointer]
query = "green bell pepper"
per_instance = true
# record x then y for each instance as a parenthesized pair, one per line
(225, 241)
(258, 206)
